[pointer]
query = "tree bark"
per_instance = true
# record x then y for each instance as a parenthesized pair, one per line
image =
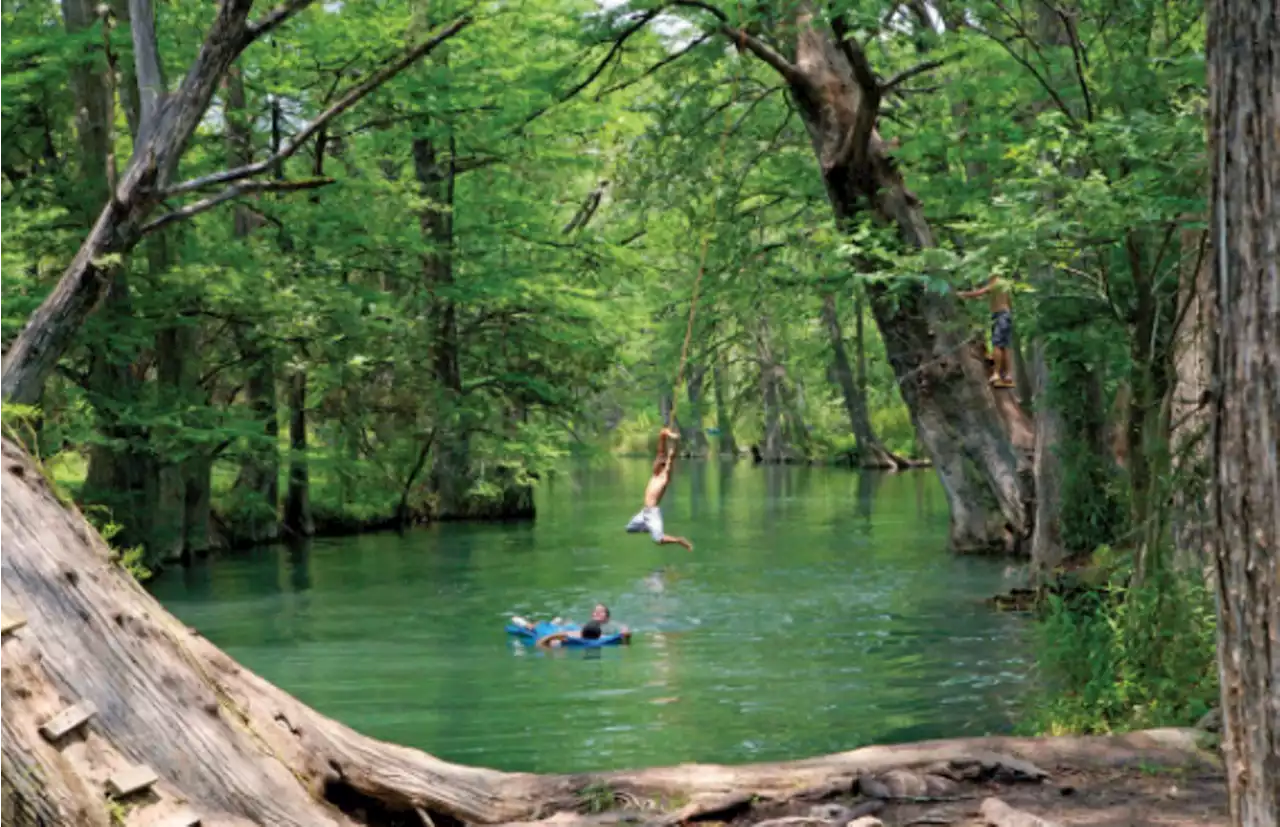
(450, 478)
(870, 453)
(1244, 295)
(236, 750)
(257, 487)
(775, 447)
(1047, 550)
(694, 435)
(1189, 409)
(91, 92)
(944, 386)
(724, 420)
(298, 521)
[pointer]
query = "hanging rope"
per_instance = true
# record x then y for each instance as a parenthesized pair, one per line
(706, 240)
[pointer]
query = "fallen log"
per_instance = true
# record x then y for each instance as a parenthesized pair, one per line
(230, 748)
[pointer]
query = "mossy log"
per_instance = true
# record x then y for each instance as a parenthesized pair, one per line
(234, 750)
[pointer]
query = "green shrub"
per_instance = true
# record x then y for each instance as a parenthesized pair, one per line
(1120, 657)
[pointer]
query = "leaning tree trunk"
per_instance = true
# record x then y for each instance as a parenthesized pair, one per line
(1244, 294)
(234, 751)
(944, 386)
(870, 453)
(165, 126)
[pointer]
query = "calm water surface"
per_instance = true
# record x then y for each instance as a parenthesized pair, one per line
(819, 611)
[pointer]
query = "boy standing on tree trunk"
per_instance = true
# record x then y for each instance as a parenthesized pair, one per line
(1001, 330)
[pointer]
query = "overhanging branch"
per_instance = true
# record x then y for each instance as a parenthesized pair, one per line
(341, 105)
(614, 51)
(275, 17)
(753, 44)
(233, 191)
(666, 61)
(907, 74)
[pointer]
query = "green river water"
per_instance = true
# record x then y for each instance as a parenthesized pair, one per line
(820, 611)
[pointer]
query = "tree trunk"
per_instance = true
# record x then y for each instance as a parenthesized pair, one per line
(694, 437)
(724, 420)
(177, 387)
(1047, 550)
(1244, 295)
(256, 492)
(235, 750)
(297, 503)
(117, 473)
(944, 386)
(870, 453)
(1189, 410)
(450, 478)
(775, 447)
(91, 92)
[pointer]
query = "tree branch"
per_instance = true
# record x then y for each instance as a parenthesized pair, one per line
(341, 105)
(233, 191)
(274, 18)
(614, 51)
(146, 63)
(1026, 64)
(906, 74)
(1077, 52)
(666, 61)
(745, 40)
(864, 123)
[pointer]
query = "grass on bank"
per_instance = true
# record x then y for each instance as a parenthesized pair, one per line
(1120, 657)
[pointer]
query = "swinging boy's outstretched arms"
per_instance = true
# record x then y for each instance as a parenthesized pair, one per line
(650, 517)
(662, 465)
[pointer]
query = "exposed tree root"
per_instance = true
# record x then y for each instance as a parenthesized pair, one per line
(236, 750)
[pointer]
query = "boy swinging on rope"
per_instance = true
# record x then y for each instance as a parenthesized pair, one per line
(650, 517)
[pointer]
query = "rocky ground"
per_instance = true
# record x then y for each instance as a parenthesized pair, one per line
(1122, 797)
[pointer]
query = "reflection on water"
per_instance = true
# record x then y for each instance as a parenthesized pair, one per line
(820, 611)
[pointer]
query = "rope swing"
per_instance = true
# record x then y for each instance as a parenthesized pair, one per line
(706, 243)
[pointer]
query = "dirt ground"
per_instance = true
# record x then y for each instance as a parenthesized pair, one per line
(1115, 798)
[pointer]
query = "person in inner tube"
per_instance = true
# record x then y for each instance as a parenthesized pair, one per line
(593, 629)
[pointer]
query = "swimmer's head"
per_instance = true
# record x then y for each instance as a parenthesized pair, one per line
(600, 614)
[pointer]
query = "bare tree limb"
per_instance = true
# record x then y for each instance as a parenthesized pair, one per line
(146, 61)
(666, 61)
(1026, 64)
(275, 17)
(753, 44)
(614, 51)
(344, 103)
(1077, 52)
(906, 74)
(233, 191)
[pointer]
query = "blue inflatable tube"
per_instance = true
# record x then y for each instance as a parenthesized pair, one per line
(541, 630)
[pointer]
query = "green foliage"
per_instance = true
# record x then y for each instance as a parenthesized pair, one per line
(1120, 657)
